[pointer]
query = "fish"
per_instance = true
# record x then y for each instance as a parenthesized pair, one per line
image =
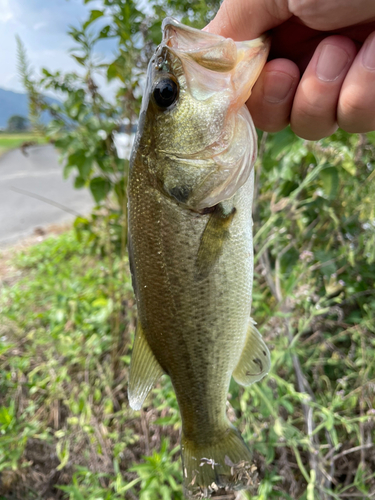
(191, 184)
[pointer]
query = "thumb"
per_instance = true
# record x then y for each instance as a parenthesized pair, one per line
(248, 19)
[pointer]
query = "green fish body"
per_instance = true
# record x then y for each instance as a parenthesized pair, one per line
(191, 251)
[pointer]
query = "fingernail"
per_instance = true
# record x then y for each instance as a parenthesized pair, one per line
(368, 58)
(331, 63)
(277, 86)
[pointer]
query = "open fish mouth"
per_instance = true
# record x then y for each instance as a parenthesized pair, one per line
(219, 55)
(213, 77)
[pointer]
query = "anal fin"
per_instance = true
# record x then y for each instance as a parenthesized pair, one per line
(255, 360)
(144, 370)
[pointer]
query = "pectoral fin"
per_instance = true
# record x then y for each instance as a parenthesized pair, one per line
(255, 360)
(144, 370)
(212, 241)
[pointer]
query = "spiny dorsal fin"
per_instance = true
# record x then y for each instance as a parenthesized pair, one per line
(213, 238)
(144, 370)
(255, 360)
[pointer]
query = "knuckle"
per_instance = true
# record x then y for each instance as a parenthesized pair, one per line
(273, 127)
(269, 117)
(313, 122)
(309, 113)
(314, 13)
(308, 10)
(354, 103)
(270, 123)
(300, 7)
(313, 134)
(356, 111)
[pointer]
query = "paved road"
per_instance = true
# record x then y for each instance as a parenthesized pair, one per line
(37, 174)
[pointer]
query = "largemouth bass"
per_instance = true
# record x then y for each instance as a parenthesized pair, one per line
(190, 244)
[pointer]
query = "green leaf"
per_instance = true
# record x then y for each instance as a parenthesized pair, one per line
(99, 188)
(349, 162)
(154, 32)
(163, 420)
(62, 451)
(113, 71)
(120, 192)
(282, 141)
(327, 261)
(371, 137)
(67, 170)
(94, 15)
(330, 181)
(349, 166)
(77, 158)
(130, 485)
(84, 168)
(80, 60)
(81, 162)
(104, 33)
(5, 416)
(79, 182)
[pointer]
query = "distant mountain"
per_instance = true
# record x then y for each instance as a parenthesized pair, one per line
(15, 103)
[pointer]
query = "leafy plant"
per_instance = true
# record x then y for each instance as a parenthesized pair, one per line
(85, 124)
(67, 323)
(160, 476)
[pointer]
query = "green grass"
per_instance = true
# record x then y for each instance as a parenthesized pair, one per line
(67, 325)
(11, 141)
(63, 393)
(65, 350)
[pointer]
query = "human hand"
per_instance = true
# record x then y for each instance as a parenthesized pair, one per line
(330, 42)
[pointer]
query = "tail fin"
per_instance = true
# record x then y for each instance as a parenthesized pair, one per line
(224, 466)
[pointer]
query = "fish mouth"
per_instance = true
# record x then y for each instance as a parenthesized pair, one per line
(221, 72)
(241, 62)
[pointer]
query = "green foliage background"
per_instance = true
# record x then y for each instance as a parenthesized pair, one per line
(67, 311)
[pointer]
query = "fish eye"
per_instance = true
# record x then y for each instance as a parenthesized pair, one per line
(165, 92)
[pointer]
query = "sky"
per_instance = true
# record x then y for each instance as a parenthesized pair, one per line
(42, 26)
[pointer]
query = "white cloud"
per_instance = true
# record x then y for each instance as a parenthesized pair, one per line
(6, 13)
(42, 26)
(38, 26)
